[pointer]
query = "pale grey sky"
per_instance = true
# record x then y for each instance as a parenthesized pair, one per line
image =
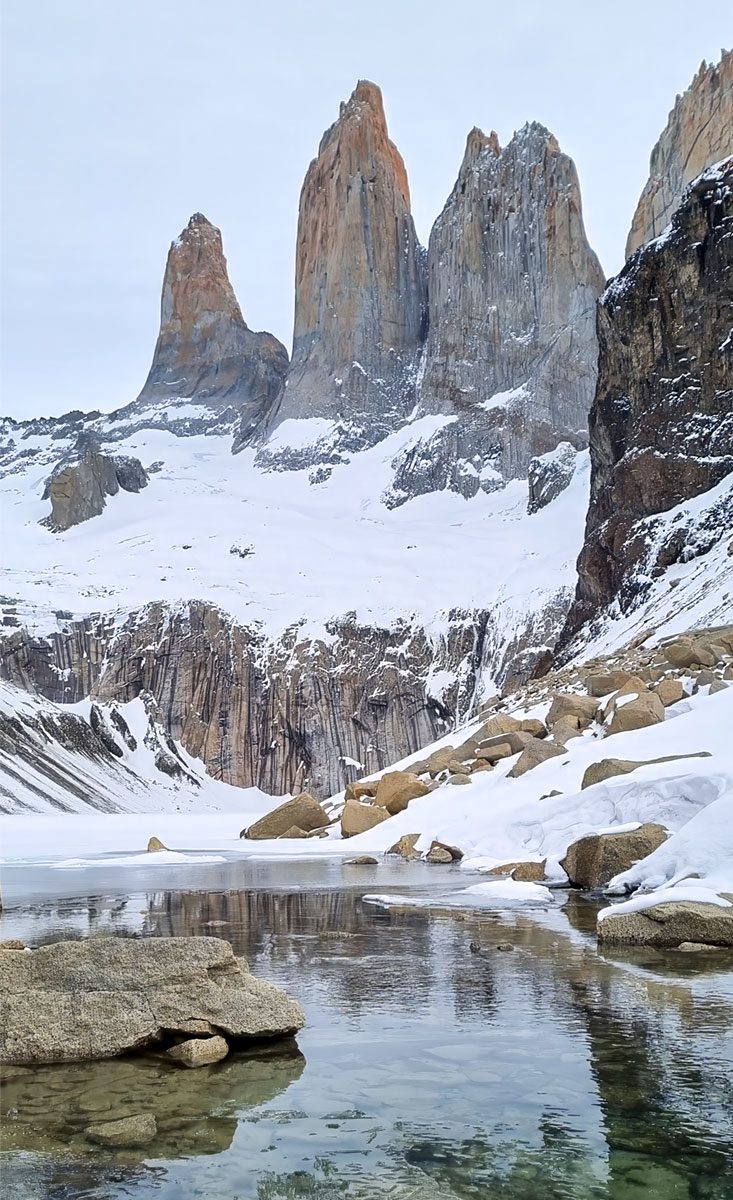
(122, 119)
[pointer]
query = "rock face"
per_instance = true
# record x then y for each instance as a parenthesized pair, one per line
(205, 351)
(78, 490)
(661, 426)
(549, 474)
(74, 1001)
(511, 350)
(592, 861)
(360, 285)
(699, 132)
(669, 925)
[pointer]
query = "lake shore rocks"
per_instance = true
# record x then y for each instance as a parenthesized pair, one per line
(99, 998)
(669, 925)
(592, 861)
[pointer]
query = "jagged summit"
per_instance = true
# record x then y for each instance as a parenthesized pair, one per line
(698, 133)
(360, 286)
(205, 351)
(510, 358)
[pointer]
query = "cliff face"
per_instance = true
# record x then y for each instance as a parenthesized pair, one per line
(511, 349)
(661, 426)
(699, 132)
(205, 352)
(360, 287)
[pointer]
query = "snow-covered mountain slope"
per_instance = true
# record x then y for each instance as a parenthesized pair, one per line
(88, 758)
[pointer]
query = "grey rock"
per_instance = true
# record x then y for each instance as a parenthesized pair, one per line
(78, 489)
(199, 1052)
(128, 1131)
(74, 1001)
(549, 475)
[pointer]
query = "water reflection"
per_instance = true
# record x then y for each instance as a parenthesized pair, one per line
(548, 1073)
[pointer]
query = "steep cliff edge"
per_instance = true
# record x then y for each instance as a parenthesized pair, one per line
(661, 426)
(511, 349)
(360, 283)
(699, 132)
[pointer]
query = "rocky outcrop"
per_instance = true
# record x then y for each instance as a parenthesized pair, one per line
(205, 352)
(76, 1001)
(78, 489)
(661, 426)
(699, 132)
(360, 286)
(549, 474)
(669, 925)
(511, 349)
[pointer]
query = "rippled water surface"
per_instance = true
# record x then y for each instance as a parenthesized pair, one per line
(426, 1071)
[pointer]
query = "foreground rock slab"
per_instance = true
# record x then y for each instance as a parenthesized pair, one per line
(670, 925)
(77, 1001)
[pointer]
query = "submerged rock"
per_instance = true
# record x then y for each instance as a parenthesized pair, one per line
(99, 998)
(129, 1131)
(199, 1052)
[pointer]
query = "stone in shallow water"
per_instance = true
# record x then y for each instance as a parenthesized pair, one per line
(130, 1131)
(73, 1001)
(199, 1052)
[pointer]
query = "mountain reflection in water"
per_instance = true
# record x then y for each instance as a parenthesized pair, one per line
(429, 1072)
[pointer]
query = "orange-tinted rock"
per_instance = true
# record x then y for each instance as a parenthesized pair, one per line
(699, 132)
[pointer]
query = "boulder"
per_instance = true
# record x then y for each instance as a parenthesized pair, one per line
(670, 691)
(129, 1131)
(501, 723)
(523, 872)
(594, 860)
(439, 854)
(569, 704)
(78, 490)
(295, 832)
(503, 745)
(454, 851)
(602, 683)
(358, 818)
(534, 753)
(687, 652)
(155, 844)
(565, 729)
(73, 1001)
(534, 726)
(633, 710)
(718, 685)
(669, 925)
(405, 846)
(607, 768)
(362, 860)
(459, 779)
(361, 788)
(438, 761)
(302, 811)
(397, 788)
(199, 1052)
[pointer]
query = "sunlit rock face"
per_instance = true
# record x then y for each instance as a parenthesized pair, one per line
(205, 351)
(511, 349)
(360, 280)
(661, 426)
(699, 132)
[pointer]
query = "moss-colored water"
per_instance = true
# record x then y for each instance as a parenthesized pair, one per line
(426, 1072)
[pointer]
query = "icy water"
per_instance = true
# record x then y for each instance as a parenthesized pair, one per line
(426, 1071)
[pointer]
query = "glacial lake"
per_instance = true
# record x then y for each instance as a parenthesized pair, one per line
(426, 1071)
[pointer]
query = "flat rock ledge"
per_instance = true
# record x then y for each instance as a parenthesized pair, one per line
(79, 1001)
(670, 925)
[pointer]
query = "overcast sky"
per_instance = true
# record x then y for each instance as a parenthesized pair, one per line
(121, 119)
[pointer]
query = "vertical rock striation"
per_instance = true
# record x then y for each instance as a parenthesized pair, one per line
(205, 352)
(511, 348)
(699, 132)
(661, 426)
(360, 284)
